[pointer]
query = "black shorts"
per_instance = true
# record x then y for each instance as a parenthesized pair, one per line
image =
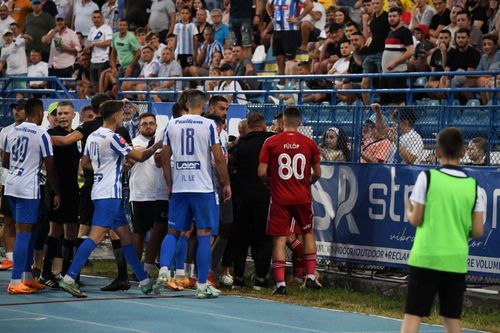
(161, 212)
(5, 209)
(68, 210)
(185, 60)
(423, 286)
(96, 70)
(143, 215)
(285, 43)
(86, 206)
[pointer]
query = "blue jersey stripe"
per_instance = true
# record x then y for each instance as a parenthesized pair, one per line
(212, 135)
(118, 173)
(46, 145)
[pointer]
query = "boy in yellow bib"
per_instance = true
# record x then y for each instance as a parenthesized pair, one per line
(447, 210)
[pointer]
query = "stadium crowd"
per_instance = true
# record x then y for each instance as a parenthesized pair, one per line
(97, 42)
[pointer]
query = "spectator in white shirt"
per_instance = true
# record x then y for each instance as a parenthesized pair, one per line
(341, 66)
(5, 19)
(150, 68)
(99, 41)
(232, 86)
(14, 58)
(38, 68)
(422, 13)
(82, 16)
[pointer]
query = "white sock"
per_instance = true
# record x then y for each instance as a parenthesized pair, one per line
(28, 276)
(165, 270)
(180, 272)
(189, 268)
(68, 279)
(311, 276)
(148, 267)
(15, 282)
(9, 255)
(144, 282)
(281, 284)
(201, 285)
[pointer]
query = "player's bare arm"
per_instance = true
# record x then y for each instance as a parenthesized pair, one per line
(142, 154)
(86, 163)
(67, 140)
(477, 230)
(316, 173)
(166, 154)
(6, 160)
(262, 172)
(415, 213)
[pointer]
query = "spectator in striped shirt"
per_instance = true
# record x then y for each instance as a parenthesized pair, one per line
(205, 53)
(187, 43)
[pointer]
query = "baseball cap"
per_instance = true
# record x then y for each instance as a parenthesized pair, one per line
(424, 28)
(35, 2)
(52, 107)
(6, 32)
(19, 104)
(59, 17)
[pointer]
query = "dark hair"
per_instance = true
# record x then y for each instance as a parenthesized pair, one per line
(36, 51)
(97, 100)
(97, 12)
(140, 30)
(85, 109)
(195, 99)
(406, 114)
(148, 47)
(145, 115)
(445, 31)
(462, 31)
(344, 11)
(352, 24)
(451, 142)
(109, 108)
(66, 103)
(150, 35)
(177, 110)
(279, 116)
(481, 143)
(358, 33)
(492, 37)
(33, 105)
(216, 99)
(396, 9)
(171, 35)
(186, 8)
(464, 12)
(123, 20)
(218, 120)
(292, 112)
(255, 119)
(342, 141)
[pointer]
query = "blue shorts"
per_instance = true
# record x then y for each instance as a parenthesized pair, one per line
(109, 213)
(186, 207)
(24, 210)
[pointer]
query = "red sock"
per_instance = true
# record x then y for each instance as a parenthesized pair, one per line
(297, 258)
(279, 270)
(310, 260)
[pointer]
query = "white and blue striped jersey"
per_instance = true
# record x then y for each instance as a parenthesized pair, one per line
(107, 150)
(191, 138)
(28, 144)
(185, 35)
(284, 9)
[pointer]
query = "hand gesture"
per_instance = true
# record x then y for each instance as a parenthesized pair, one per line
(376, 108)
(226, 193)
(57, 202)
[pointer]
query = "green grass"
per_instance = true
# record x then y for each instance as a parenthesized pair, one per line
(486, 318)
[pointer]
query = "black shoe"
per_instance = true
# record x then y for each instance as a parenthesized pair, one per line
(51, 282)
(117, 285)
(36, 273)
(281, 290)
(313, 284)
(260, 284)
(238, 284)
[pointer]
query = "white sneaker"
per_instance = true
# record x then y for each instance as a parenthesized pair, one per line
(273, 100)
(226, 279)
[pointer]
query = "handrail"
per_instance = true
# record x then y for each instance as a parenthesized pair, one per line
(59, 89)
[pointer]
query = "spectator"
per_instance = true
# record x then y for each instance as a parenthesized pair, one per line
(278, 126)
(490, 61)
(231, 85)
(341, 66)
(374, 147)
(38, 68)
(172, 43)
(330, 51)
(350, 28)
(19, 9)
(201, 24)
(38, 23)
(422, 13)
(475, 34)
(330, 13)
(241, 16)
(228, 57)
(422, 51)
(153, 40)
(222, 34)
(82, 76)
(140, 34)
(64, 45)
(13, 59)
(342, 16)
(437, 61)
(398, 50)
(212, 85)
(168, 68)
(366, 8)
(493, 14)
(477, 150)
(216, 59)
(334, 145)
(440, 20)
(405, 16)
(205, 53)
(111, 15)
(286, 26)
(409, 145)
(83, 13)
(312, 25)
(304, 68)
(5, 20)
(375, 26)
(49, 7)
(187, 42)
(453, 27)
(99, 41)
(243, 67)
(355, 67)
(162, 18)
(200, 4)
(477, 15)
(150, 68)
(65, 10)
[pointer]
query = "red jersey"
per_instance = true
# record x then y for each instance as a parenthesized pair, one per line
(290, 157)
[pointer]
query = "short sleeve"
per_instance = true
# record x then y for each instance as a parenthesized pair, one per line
(108, 33)
(134, 43)
(46, 145)
(419, 191)
(120, 146)
(170, 7)
(86, 150)
(5, 144)
(177, 27)
(480, 206)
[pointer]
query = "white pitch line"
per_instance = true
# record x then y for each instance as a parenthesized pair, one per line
(115, 327)
(27, 318)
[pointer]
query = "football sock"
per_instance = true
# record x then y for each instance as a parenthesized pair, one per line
(167, 251)
(49, 250)
(29, 254)
(67, 254)
(189, 268)
(131, 257)
(81, 257)
(203, 258)
(121, 265)
(310, 260)
(181, 254)
(297, 249)
(279, 270)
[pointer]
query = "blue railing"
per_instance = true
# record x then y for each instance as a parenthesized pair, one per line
(56, 87)
(268, 85)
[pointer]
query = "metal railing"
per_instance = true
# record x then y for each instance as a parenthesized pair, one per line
(56, 87)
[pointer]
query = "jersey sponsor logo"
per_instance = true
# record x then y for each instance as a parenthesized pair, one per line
(187, 165)
(98, 177)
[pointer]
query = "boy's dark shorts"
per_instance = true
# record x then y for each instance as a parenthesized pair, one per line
(423, 286)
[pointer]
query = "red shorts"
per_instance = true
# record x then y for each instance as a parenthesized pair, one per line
(285, 219)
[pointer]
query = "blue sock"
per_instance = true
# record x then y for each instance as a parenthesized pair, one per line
(21, 249)
(81, 257)
(203, 258)
(29, 255)
(167, 251)
(134, 262)
(181, 252)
